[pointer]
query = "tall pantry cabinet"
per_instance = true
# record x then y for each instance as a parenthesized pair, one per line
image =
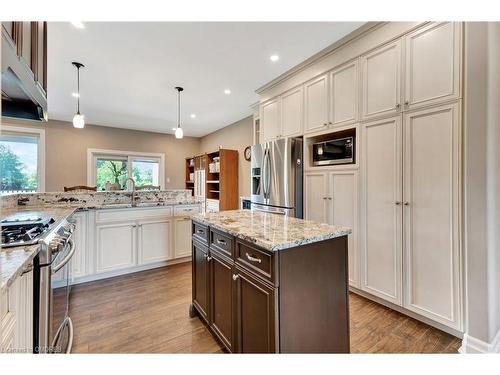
(401, 96)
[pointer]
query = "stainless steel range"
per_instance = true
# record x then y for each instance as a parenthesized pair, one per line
(53, 331)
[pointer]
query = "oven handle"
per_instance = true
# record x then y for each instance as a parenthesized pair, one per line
(67, 258)
(67, 322)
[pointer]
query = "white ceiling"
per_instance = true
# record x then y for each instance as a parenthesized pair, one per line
(131, 69)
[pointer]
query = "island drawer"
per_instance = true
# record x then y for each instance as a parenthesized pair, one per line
(221, 242)
(256, 261)
(200, 232)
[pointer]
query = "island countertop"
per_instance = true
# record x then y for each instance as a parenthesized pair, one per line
(270, 231)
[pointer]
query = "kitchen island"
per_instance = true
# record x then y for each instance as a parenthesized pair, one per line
(266, 283)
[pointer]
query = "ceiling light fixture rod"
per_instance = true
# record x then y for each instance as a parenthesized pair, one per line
(78, 66)
(178, 132)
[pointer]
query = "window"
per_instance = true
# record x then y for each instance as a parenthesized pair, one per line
(109, 169)
(21, 160)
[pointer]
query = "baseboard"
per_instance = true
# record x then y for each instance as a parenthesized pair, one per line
(409, 313)
(472, 345)
(124, 271)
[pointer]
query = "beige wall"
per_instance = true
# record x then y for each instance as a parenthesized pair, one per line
(66, 150)
(236, 136)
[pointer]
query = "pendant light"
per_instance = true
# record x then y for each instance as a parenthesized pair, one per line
(78, 120)
(178, 132)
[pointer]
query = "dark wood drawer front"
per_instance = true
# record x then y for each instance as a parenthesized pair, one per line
(255, 261)
(222, 243)
(200, 232)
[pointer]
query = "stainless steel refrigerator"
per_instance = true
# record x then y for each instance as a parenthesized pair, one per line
(277, 177)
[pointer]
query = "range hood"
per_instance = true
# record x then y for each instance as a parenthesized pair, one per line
(22, 96)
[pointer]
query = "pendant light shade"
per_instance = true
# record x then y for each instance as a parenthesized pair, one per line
(78, 119)
(178, 132)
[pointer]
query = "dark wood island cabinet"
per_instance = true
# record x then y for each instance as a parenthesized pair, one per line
(265, 283)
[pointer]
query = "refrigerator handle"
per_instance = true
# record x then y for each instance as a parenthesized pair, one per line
(268, 173)
(263, 173)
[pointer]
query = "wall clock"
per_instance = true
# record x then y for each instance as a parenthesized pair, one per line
(248, 153)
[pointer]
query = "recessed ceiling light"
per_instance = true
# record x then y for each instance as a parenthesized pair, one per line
(75, 95)
(192, 115)
(78, 24)
(227, 91)
(274, 58)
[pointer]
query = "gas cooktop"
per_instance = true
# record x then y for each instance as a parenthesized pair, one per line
(24, 230)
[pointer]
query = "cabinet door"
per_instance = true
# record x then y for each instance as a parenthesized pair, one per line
(255, 315)
(431, 213)
(79, 260)
(344, 211)
(200, 274)
(221, 286)
(182, 237)
(381, 209)
(432, 64)
(154, 241)
(316, 196)
(22, 295)
(270, 119)
(115, 246)
(291, 113)
(381, 81)
(344, 94)
(316, 103)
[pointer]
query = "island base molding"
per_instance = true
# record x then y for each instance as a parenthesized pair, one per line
(471, 345)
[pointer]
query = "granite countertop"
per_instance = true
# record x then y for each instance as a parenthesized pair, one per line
(14, 260)
(271, 231)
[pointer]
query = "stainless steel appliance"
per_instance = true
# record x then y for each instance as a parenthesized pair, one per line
(277, 177)
(54, 328)
(335, 151)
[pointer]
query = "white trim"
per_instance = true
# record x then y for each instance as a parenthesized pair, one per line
(40, 133)
(473, 345)
(92, 152)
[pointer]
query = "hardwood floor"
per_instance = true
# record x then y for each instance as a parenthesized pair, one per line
(147, 312)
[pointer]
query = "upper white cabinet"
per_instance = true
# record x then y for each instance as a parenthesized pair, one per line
(432, 64)
(270, 119)
(316, 196)
(282, 116)
(154, 240)
(431, 213)
(381, 72)
(344, 94)
(291, 113)
(316, 103)
(382, 209)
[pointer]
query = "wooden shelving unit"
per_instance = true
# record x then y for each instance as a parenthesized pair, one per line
(189, 169)
(222, 182)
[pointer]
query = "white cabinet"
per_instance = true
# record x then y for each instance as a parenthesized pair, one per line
(431, 213)
(331, 197)
(154, 240)
(79, 260)
(344, 94)
(270, 119)
(182, 237)
(291, 113)
(316, 196)
(432, 64)
(343, 196)
(115, 246)
(381, 72)
(316, 103)
(381, 209)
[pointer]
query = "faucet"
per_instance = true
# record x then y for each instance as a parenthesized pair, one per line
(133, 189)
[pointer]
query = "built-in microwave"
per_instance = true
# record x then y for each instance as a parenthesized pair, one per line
(334, 151)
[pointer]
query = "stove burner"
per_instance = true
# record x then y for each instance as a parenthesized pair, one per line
(23, 231)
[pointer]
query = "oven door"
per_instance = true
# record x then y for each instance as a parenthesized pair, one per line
(61, 326)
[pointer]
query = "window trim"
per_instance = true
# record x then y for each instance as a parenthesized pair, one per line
(40, 133)
(93, 153)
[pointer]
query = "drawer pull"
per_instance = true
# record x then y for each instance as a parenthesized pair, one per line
(200, 231)
(253, 259)
(221, 242)
(235, 277)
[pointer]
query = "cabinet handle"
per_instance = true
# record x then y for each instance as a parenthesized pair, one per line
(330, 123)
(253, 259)
(398, 105)
(406, 203)
(397, 203)
(200, 231)
(325, 124)
(235, 276)
(329, 198)
(221, 242)
(209, 259)
(407, 103)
